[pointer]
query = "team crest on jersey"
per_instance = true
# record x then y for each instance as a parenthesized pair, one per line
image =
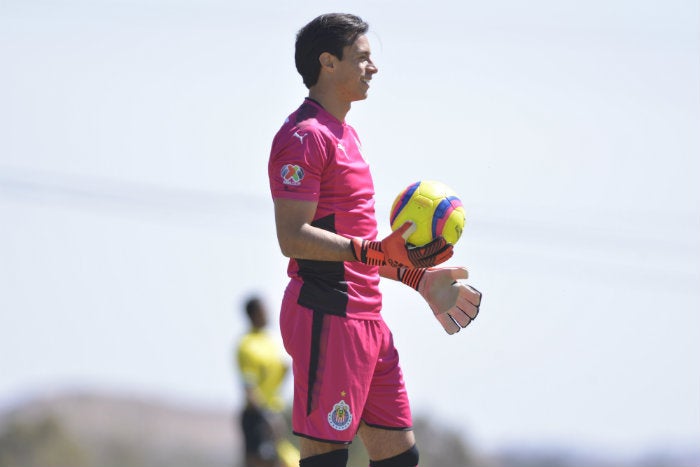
(340, 417)
(292, 174)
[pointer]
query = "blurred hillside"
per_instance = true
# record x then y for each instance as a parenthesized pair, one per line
(98, 430)
(90, 430)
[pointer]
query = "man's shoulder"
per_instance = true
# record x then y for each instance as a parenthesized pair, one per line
(308, 113)
(309, 117)
(303, 131)
(256, 338)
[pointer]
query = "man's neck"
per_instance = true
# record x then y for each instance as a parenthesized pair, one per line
(334, 106)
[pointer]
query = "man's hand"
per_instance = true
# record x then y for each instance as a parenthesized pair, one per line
(454, 304)
(394, 252)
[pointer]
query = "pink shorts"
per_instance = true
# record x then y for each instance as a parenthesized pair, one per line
(345, 370)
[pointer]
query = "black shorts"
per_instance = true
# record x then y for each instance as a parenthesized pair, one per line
(258, 434)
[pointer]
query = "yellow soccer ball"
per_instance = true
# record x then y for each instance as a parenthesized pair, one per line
(435, 209)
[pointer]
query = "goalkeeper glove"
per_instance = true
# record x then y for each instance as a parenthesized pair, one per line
(394, 251)
(454, 304)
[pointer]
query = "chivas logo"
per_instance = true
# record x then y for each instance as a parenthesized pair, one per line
(340, 417)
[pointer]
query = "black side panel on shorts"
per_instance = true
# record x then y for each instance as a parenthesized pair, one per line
(324, 288)
(316, 329)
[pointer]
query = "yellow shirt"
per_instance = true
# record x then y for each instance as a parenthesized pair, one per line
(262, 367)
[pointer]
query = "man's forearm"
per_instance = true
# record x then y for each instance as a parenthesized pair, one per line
(316, 244)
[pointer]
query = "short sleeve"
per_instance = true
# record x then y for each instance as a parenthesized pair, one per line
(297, 160)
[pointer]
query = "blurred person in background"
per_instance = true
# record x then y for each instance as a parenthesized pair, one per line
(262, 368)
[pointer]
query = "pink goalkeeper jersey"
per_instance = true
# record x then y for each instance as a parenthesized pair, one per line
(315, 157)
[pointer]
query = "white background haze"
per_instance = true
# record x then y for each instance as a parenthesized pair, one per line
(135, 215)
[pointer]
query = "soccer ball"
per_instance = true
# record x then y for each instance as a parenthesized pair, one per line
(433, 207)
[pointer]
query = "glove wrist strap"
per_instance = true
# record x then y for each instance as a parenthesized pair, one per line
(410, 277)
(368, 252)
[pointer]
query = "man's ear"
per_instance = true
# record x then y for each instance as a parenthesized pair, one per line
(327, 61)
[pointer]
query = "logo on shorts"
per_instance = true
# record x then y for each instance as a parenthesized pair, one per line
(292, 174)
(340, 417)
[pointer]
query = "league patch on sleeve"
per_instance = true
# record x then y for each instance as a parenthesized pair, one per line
(292, 174)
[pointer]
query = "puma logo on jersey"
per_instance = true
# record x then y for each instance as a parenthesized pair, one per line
(342, 148)
(301, 137)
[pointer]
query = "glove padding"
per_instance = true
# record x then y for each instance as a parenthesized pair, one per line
(454, 304)
(394, 251)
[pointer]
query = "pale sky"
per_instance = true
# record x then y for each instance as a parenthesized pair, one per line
(135, 214)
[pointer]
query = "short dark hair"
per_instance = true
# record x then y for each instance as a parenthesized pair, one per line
(326, 33)
(252, 305)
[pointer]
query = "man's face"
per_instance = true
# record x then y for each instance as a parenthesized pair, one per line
(354, 71)
(259, 318)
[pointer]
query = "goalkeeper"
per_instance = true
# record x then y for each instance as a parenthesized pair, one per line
(347, 377)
